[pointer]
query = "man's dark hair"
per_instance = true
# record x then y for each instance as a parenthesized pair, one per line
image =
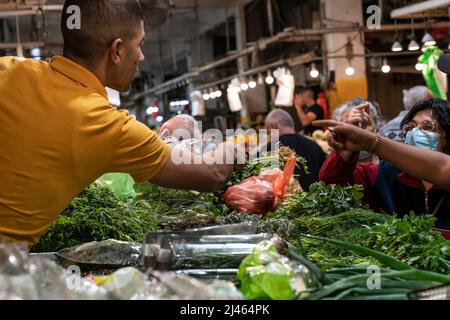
(102, 21)
(300, 90)
(440, 110)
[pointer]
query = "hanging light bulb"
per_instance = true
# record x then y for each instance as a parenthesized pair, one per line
(244, 86)
(206, 95)
(35, 52)
(314, 73)
(419, 66)
(413, 45)
(428, 39)
(397, 46)
(349, 70)
(269, 79)
(217, 92)
(252, 83)
(212, 94)
(386, 68)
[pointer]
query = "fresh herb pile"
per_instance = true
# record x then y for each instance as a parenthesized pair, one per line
(96, 215)
(323, 200)
(177, 210)
(412, 240)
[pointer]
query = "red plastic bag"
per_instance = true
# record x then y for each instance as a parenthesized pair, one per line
(260, 195)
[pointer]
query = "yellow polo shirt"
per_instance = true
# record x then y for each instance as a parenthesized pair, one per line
(58, 133)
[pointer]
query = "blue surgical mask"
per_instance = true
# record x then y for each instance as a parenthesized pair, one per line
(423, 139)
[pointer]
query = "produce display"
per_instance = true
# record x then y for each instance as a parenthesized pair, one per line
(333, 239)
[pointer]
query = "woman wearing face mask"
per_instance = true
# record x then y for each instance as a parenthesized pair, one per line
(389, 189)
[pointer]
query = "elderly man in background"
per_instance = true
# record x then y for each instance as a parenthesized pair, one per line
(185, 128)
(411, 97)
(282, 121)
(181, 127)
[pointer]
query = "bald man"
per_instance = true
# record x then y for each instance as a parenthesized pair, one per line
(181, 127)
(282, 121)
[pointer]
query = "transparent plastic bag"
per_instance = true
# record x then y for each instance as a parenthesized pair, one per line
(195, 251)
(157, 249)
(208, 255)
(108, 254)
(35, 278)
(182, 287)
(121, 184)
(261, 194)
(266, 274)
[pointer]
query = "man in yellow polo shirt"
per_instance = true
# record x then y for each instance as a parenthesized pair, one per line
(58, 131)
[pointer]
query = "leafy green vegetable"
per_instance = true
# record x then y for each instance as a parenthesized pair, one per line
(177, 210)
(323, 199)
(385, 259)
(412, 241)
(96, 215)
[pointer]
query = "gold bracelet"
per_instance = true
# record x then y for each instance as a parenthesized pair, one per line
(377, 143)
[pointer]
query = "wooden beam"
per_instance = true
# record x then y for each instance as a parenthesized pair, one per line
(27, 10)
(25, 45)
(409, 11)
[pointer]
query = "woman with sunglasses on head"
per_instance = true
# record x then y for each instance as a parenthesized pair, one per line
(387, 188)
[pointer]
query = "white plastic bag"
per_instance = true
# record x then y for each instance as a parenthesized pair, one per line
(234, 99)
(198, 104)
(286, 87)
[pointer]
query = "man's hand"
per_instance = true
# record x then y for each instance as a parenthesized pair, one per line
(360, 116)
(346, 137)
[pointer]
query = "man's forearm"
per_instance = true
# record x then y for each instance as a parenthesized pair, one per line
(304, 119)
(186, 170)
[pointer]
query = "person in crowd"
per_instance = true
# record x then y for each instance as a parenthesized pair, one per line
(184, 127)
(70, 134)
(421, 163)
(181, 127)
(411, 97)
(281, 120)
(292, 110)
(307, 109)
(426, 126)
(361, 110)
